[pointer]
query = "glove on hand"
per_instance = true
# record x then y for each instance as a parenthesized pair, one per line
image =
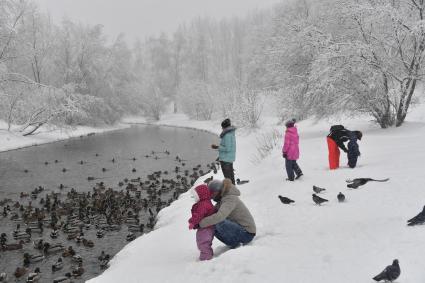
(193, 227)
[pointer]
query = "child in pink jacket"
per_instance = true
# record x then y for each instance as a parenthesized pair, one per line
(291, 151)
(201, 209)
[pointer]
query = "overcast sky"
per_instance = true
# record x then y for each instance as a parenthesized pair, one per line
(141, 18)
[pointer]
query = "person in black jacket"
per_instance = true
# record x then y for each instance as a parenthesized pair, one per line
(340, 136)
(336, 138)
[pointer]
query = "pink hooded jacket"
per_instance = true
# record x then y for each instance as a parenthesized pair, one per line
(203, 207)
(291, 144)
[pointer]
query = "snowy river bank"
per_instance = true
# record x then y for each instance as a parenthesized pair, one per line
(347, 242)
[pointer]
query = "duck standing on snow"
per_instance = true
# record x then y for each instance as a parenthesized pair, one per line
(291, 151)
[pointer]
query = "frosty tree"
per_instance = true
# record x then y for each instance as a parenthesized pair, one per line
(317, 58)
(374, 63)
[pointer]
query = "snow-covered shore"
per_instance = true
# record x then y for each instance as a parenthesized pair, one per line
(347, 242)
(10, 140)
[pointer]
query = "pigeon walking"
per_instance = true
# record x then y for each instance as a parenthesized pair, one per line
(318, 190)
(354, 184)
(390, 273)
(241, 182)
(285, 200)
(418, 219)
(318, 200)
(341, 197)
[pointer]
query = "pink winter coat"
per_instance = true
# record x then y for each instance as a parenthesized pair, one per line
(203, 207)
(291, 144)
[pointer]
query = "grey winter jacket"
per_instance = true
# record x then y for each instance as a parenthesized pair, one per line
(231, 208)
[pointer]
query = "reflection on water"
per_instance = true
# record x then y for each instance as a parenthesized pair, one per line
(109, 158)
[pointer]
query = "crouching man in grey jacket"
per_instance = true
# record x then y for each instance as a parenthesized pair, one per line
(234, 224)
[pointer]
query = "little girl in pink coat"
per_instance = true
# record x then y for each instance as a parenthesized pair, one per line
(202, 208)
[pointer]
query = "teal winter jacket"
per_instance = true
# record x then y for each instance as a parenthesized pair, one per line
(227, 148)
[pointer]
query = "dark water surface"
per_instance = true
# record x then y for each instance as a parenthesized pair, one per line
(25, 169)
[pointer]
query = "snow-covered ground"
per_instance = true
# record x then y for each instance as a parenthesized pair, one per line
(14, 140)
(337, 242)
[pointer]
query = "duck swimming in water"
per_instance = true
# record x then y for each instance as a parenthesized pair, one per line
(77, 258)
(19, 272)
(3, 277)
(68, 252)
(88, 243)
(58, 265)
(49, 249)
(78, 271)
(34, 276)
(32, 258)
(54, 234)
(131, 237)
(12, 247)
(63, 279)
(103, 256)
(100, 234)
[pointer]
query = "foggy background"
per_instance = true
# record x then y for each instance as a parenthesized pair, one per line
(62, 62)
(142, 18)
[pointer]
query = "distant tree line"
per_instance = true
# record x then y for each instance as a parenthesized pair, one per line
(314, 58)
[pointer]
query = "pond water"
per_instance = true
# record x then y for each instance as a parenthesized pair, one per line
(110, 158)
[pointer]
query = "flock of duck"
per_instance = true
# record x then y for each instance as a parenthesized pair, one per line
(42, 217)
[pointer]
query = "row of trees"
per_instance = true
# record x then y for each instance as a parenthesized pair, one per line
(316, 58)
(67, 74)
(362, 56)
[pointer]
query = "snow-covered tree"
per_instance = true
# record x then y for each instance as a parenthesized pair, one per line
(374, 63)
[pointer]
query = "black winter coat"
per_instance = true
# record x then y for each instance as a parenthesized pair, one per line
(340, 135)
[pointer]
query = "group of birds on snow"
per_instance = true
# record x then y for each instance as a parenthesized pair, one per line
(352, 184)
(391, 272)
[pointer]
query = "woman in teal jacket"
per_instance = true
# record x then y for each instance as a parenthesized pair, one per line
(227, 149)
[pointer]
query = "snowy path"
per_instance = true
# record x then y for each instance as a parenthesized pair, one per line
(348, 242)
